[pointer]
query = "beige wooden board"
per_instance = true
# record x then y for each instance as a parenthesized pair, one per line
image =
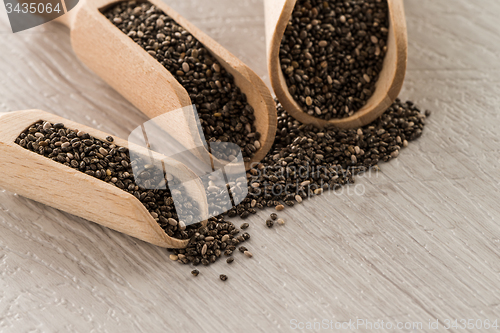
(420, 244)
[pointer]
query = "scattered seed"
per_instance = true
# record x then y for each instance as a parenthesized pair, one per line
(174, 257)
(223, 277)
(195, 272)
(293, 138)
(280, 207)
(274, 216)
(182, 226)
(248, 254)
(230, 260)
(281, 221)
(269, 223)
(244, 226)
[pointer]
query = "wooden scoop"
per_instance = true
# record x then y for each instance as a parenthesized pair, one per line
(54, 184)
(388, 86)
(148, 85)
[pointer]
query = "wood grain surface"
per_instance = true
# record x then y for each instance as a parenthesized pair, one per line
(418, 241)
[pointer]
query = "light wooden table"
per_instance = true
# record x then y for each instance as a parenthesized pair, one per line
(421, 243)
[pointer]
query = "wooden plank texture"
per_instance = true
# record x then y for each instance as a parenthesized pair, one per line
(420, 243)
